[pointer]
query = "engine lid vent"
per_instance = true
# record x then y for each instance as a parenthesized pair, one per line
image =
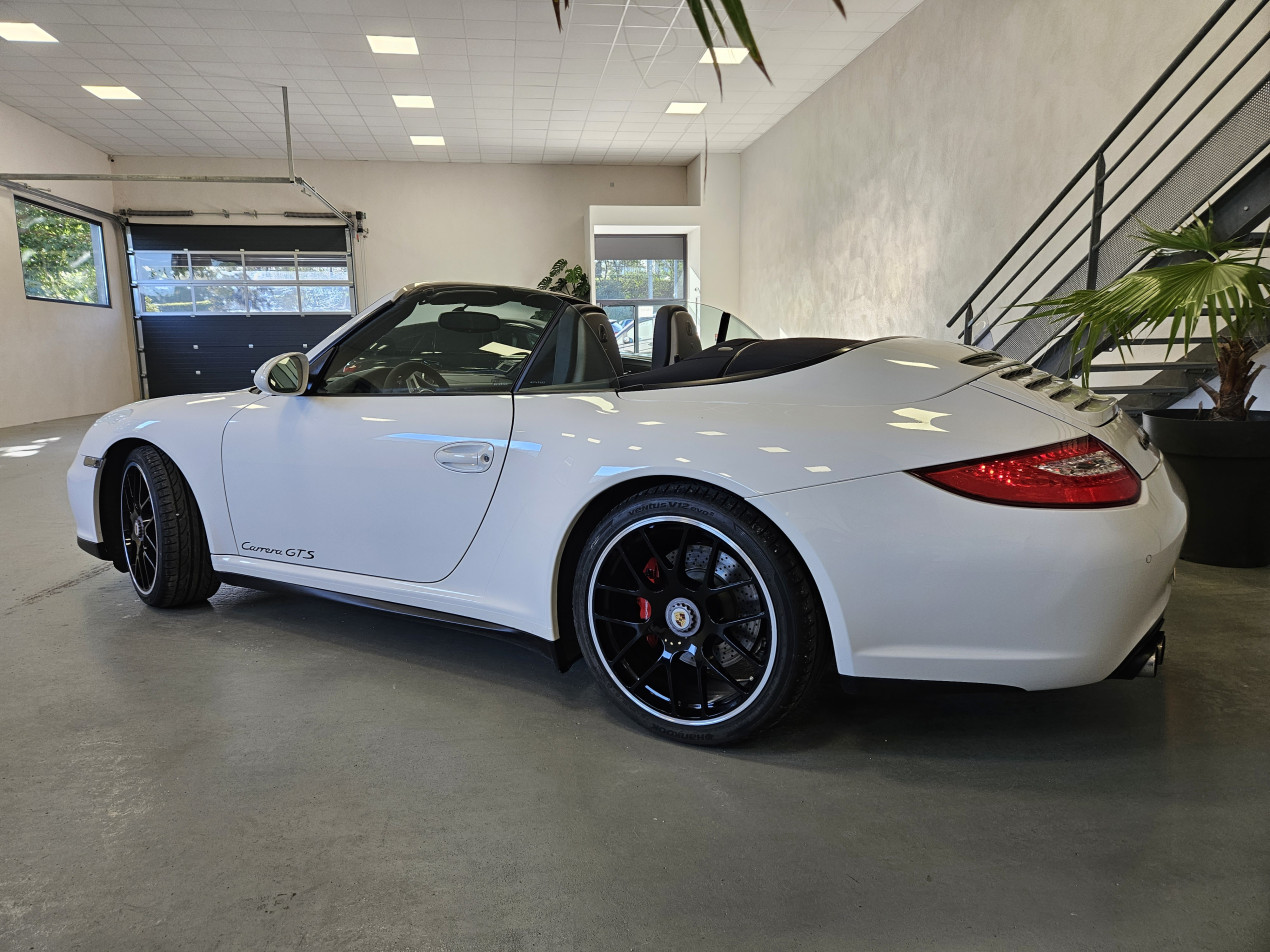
(1056, 388)
(985, 358)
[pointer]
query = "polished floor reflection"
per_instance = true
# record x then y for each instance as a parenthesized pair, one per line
(268, 771)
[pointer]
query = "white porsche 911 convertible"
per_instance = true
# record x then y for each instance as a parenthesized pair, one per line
(707, 527)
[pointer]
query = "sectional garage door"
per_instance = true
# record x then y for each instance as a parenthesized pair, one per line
(213, 302)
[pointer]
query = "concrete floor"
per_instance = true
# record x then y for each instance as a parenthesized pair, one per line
(277, 772)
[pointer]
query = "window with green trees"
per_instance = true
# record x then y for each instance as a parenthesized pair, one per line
(634, 276)
(63, 256)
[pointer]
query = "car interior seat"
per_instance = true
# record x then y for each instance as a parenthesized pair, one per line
(674, 336)
(598, 323)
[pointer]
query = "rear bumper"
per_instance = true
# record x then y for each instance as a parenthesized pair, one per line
(920, 584)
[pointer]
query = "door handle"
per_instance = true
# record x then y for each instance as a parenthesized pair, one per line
(467, 457)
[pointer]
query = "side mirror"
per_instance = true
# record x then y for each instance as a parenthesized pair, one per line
(285, 374)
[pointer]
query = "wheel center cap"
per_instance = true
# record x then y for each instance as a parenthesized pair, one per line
(138, 528)
(682, 617)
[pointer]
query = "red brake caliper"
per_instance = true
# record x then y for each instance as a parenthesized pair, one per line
(653, 574)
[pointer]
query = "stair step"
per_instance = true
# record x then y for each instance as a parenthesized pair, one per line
(1190, 365)
(1145, 388)
(1179, 343)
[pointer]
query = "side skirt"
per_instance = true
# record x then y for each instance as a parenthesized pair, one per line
(553, 650)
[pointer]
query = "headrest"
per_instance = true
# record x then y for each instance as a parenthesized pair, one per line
(598, 323)
(469, 322)
(674, 336)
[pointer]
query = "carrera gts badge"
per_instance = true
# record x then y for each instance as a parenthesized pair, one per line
(288, 553)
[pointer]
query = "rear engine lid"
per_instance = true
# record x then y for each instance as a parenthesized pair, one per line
(903, 370)
(1056, 396)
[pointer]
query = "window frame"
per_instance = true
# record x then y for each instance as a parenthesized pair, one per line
(321, 365)
(244, 282)
(99, 245)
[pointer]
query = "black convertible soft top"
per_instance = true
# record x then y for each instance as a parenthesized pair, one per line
(740, 359)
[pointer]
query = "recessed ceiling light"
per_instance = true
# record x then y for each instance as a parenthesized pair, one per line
(413, 102)
(726, 55)
(685, 108)
(393, 44)
(25, 33)
(112, 92)
(428, 140)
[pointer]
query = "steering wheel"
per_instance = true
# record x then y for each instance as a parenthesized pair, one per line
(417, 376)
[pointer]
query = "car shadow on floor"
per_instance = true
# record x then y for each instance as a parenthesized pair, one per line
(1099, 722)
(451, 649)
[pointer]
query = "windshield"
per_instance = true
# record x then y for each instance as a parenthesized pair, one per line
(633, 326)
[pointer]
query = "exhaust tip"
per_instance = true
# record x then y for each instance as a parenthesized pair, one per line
(1154, 661)
(1146, 657)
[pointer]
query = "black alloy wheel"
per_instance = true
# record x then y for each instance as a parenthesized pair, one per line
(696, 616)
(162, 536)
(140, 533)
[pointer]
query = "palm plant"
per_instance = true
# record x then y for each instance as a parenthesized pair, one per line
(1218, 281)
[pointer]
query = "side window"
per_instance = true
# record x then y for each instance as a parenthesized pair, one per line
(63, 256)
(451, 340)
(579, 353)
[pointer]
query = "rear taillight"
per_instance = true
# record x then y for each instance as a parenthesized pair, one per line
(1076, 473)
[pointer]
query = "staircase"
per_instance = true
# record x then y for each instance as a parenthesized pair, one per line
(1198, 141)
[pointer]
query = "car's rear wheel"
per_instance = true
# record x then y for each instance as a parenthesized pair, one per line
(696, 616)
(164, 544)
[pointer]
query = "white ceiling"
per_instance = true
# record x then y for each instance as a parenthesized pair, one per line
(508, 87)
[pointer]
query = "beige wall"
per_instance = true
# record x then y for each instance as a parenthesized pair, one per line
(504, 224)
(878, 204)
(61, 359)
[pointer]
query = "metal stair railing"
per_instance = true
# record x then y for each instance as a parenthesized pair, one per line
(1067, 248)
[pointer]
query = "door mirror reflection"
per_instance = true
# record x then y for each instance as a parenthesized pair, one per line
(284, 375)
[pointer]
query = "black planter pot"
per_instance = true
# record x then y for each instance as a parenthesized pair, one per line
(1225, 468)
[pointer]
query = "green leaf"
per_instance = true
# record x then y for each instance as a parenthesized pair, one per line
(718, 20)
(741, 23)
(703, 27)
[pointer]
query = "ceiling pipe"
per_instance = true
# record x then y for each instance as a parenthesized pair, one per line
(286, 123)
(93, 177)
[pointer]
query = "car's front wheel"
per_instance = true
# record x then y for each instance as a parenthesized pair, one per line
(164, 544)
(696, 616)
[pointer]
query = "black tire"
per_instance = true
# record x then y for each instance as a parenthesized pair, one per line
(163, 541)
(696, 616)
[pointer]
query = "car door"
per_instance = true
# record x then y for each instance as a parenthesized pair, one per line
(386, 465)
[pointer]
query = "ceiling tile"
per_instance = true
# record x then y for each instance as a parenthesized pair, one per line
(509, 86)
